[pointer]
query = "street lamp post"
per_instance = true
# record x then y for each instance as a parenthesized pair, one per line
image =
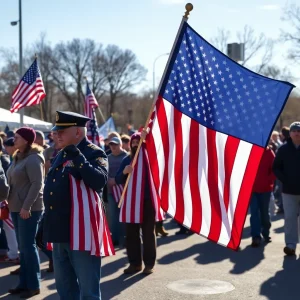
(20, 53)
(154, 71)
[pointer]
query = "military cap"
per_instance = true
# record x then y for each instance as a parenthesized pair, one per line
(65, 119)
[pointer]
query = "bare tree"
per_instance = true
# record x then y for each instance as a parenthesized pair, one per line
(111, 72)
(9, 76)
(274, 72)
(122, 71)
(255, 46)
(292, 16)
(221, 40)
(69, 65)
(97, 77)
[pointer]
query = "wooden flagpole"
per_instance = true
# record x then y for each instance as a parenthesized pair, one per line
(189, 8)
(101, 114)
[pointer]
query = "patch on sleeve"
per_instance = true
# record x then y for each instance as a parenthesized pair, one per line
(102, 161)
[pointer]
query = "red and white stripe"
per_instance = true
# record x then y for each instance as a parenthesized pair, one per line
(132, 206)
(89, 105)
(9, 223)
(203, 177)
(28, 95)
(117, 191)
(89, 229)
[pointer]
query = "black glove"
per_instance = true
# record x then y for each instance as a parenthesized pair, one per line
(71, 151)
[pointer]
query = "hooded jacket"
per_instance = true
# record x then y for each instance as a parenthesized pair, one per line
(25, 179)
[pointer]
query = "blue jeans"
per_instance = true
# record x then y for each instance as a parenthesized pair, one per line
(77, 273)
(291, 204)
(26, 230)
(260, 218)
(117, 228)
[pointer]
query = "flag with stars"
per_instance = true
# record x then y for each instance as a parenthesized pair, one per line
(212, 120)
(30, 91)
(89, 110)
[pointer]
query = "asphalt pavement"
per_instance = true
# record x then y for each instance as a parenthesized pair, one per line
(191, 267)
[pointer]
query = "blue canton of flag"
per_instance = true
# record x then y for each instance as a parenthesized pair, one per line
(222, 95)
(32, 73)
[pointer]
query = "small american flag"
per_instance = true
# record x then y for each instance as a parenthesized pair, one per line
(30, 91)
(89, 110)
(213, 119)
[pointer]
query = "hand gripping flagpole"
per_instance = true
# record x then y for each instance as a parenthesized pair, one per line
(189, 8)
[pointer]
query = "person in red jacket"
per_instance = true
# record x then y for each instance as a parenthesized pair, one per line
(260, 199)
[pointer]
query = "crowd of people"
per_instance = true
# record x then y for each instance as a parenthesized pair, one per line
(37, 193)
(277, 180)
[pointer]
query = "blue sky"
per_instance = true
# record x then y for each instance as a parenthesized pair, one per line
(147, 27)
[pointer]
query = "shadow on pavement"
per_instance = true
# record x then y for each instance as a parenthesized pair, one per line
(113, 267)
(114, 287)
(246, 232)
(279, 230)
(285, 283)
(6, 284)
(209, 252)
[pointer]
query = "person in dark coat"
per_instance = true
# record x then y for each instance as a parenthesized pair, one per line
(147, 226)
(77, 273)
(286, 168)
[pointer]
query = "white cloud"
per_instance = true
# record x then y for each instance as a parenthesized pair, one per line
(269, 7)
(173, 1)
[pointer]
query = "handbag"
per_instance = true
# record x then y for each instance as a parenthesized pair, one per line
(4, 211)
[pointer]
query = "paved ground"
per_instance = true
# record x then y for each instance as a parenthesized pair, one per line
(262, 273)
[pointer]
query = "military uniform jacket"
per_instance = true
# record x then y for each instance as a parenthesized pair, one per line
(91, 167)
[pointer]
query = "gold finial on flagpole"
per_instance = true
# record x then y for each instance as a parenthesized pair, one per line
(189, 7)
(85, 78)
(35, 56)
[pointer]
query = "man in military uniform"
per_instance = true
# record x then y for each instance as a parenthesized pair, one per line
(77, 273)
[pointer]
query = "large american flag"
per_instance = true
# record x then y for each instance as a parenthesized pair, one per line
(212, 121)
(30, 91)
(90, 104)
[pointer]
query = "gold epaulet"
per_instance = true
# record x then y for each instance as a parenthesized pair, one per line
(93, 146)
